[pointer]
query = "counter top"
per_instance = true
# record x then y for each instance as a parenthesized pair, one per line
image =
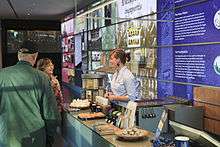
(112, 139)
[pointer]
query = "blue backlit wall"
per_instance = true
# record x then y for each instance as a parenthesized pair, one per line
(188, 47)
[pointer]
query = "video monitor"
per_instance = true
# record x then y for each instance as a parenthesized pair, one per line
(47, 41)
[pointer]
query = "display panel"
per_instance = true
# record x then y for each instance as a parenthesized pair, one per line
(80, 24)
(135, 8)
(197, 64)
(47, 41)
(183, 66)
(68, 49)
(108, 37)
(137, 33)
(78, 49)
(68, 44)
(67, 27)
(95, 60)
(95, 40)
(94, 20)
(195, 24)
(165, 50)
(68, 60)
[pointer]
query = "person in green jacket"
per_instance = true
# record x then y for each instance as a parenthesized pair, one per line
(28, 110)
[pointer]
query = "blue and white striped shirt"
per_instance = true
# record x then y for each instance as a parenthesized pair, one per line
(124, 83)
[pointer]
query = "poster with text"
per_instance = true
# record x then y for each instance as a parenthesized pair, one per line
(199, 22)
(197, 64)
(135, 8)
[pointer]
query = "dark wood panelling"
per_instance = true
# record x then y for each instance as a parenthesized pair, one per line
(210, 99)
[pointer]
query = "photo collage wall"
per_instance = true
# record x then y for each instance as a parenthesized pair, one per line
(173, 44)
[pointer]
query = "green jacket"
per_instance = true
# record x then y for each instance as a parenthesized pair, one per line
(28, 109)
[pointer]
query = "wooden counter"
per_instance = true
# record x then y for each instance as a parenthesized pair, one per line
(78, 133)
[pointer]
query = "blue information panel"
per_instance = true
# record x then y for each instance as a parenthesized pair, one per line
(197, 22)
(197, 64)
(194, 22)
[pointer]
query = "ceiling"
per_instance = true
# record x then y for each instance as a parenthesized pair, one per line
(40, 9)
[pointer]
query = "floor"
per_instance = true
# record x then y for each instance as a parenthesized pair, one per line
(59, 141)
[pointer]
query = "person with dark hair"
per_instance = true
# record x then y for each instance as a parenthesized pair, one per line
(28, 108)
(124, 86)
(46, 65)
